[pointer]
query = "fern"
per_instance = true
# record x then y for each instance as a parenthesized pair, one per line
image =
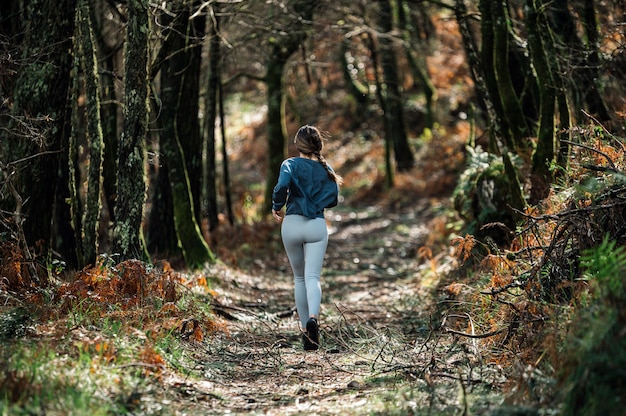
(605, 264)
(593, 373)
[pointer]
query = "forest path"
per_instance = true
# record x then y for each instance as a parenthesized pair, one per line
(376, 341)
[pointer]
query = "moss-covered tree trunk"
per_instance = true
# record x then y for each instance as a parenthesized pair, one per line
(545, 150)
(511, 105)
(178, 123)
(131, 177)
(484, 92)
(588, 73)
(107, 63)
(281, 49)
(389, 172)
(476, 66)
(94, 134)
(74, 177)
(210, 116)
(189, 61)
(403, 155)
(417, 61)
(487, 66)
(40, 102)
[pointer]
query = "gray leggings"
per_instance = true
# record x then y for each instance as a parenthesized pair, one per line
(305, 242)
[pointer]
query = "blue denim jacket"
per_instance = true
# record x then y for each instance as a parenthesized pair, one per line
(306, 188)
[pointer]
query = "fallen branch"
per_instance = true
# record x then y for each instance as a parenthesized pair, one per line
(494, 291)
(584, 146)
(465, 334)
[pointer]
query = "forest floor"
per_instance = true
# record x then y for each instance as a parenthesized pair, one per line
(382, 350)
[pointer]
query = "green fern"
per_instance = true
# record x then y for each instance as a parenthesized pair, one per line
(594, 368)
(605, 264)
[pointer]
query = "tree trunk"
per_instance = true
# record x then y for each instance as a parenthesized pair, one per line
(131, 179)
(94, 135)
(187, 121)
(403, 154)
(488, 76)
(210, 115)
(161, 238)
(478, 71)
(584, 59)
(225, 168)
(41, 101)
(589, 71)
(418, 65)
(282, 48)
(389, 173)
(108, 59)
(483, 91)
(545, 151)
(511, 107)
(178, 71)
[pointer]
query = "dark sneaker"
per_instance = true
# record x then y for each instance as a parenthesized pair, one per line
(311, 338)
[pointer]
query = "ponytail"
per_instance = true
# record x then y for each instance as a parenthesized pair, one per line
(308, 140)
(331, 174)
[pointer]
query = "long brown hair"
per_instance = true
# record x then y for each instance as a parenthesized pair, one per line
(309, 141)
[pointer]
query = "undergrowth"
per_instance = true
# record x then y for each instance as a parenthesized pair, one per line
(100, 342)
(549, 307)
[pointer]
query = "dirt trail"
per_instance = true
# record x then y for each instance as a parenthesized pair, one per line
(374, 326)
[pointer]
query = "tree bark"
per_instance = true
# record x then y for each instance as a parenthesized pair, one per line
(41, 101)
(589, 71)
(210, 116)
(418, 64)
(108, 60)
(187, 121)
(481, 84)
(545, 150)
(512, 110)
(131, 182)
(389, 173)
(94, 135)
(403, 155)
(178, 118)
(225, 164)
(484, 93)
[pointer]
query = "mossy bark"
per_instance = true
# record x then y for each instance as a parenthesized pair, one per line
(210, 116)
(478, 71)
(545, 150)
(107, 61)
(417, 61)
(186, 61)
(486, 64)
(41, 102)
(403, 155)
(389, 172)
(94, 135)
(73, 162)
(131, 178)
(175, 139)
(588, 74)
(511, 106)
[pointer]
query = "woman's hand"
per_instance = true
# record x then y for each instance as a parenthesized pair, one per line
(277, 215)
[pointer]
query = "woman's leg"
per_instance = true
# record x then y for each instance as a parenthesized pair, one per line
(293, 239)
(305, 242)
(315, 245)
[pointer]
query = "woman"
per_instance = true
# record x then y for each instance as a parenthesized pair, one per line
(307, 185)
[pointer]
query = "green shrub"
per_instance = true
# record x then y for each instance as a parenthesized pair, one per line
(594, 372)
